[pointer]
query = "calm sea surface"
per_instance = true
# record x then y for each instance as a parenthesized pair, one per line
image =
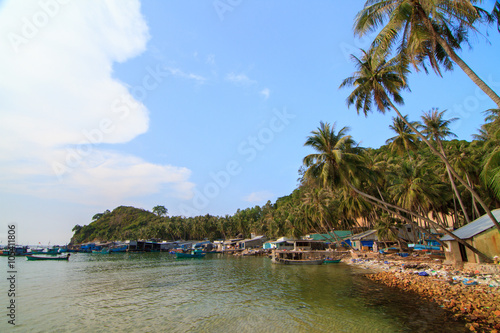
(158, 293)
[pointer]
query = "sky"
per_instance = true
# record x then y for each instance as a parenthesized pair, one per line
(199, 106)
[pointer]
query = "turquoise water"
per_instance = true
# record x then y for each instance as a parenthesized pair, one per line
(158, 293)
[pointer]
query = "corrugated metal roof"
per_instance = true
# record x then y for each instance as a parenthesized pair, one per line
(475, 227)
(340, 233)
(363, 234)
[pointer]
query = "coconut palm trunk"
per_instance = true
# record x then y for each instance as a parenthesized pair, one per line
(448, 166)
(473, 201)
(467, 70)
(409, 221)
(453, 185)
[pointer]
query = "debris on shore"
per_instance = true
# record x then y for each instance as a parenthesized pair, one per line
(471, 295)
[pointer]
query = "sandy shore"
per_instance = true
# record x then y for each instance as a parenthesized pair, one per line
(471, 294)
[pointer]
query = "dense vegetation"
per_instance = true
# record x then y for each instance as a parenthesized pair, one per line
(419, 173)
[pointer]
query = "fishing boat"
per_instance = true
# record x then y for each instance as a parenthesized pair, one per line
(31, 257)
(51, 251)
(103, 251)
(17, 251)
(191, 254)
(299, 261)
(296, 257)
(119, 248)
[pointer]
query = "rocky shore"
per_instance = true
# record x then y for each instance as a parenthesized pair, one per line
(471, 294)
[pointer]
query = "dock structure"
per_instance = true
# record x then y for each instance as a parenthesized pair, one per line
(144, 246)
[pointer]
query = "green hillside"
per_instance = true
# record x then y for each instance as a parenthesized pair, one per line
(120, 224)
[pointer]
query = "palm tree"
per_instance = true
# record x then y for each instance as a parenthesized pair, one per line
(405, 140)
(411, 190)
(377, 81)
(492, 125)
(337, 156)
(424, 30)
(388, 229)
(437, 129)
(464, 159)
(316, 208)
(336, 163)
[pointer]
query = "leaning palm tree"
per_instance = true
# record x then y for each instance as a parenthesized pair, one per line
(405, 140)
(376, 83)
(316, 205)
(424, 30)
(437, 129)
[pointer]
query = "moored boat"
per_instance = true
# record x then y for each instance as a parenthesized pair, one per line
(50, 251)
(16, 251)
(191, 254)
(299, 261)
(32, 257)
(297, 257)
(102, 251)
(119, 248)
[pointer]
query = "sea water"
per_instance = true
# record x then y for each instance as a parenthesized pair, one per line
(155, 292)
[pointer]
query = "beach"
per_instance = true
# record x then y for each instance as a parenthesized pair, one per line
(470, 293)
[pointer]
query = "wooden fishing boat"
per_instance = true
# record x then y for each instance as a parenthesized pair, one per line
(297, 257)
(332, 261)
(103, 251)
(39, 257)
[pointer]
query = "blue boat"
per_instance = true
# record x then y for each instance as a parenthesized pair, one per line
(103, 251)
(119, 248)
(192, 254)
(18, 251)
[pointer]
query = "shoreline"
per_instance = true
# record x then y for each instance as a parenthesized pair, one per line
(472, 295)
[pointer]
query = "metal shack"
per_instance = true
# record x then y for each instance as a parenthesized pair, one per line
(481, 234)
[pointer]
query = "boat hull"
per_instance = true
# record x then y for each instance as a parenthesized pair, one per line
(32, 257)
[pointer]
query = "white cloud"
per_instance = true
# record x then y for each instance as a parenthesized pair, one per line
(190, 76)
(59, 82)
(120, 177)
(265, 92)
(259, 196)
(239, 79)
(59, 101)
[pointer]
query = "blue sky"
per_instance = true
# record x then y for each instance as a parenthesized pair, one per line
(200, 106)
